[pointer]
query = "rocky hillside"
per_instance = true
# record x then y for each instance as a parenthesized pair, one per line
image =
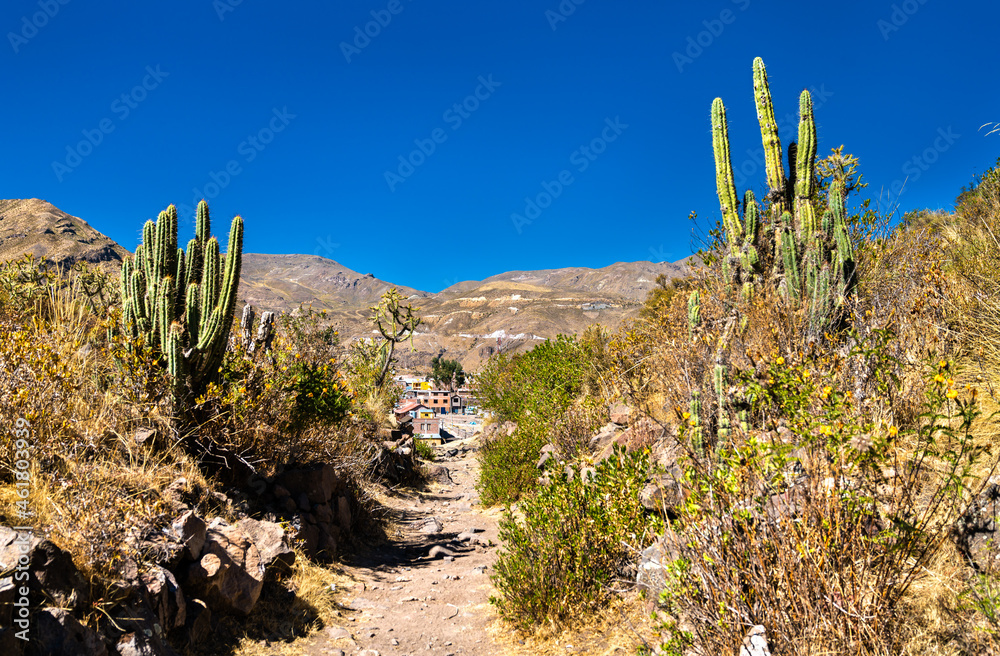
(38, 227)
(468, 321)
(283, 282)
(631, 280)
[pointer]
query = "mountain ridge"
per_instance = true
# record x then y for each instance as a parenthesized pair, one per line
(468, 321)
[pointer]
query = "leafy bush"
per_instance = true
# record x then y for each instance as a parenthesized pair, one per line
(533, 390)
(574, 540)
(424, 450)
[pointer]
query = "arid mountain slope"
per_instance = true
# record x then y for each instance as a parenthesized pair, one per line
(283, 282)
(38, 227)
(631, 280)
(469, 321)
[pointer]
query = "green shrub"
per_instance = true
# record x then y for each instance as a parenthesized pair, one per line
(575, 539)
(533, 390)
(424, 450)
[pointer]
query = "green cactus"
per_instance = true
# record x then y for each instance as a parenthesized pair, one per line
(694, 313)
(722, 405)
(768, 129)
(182, 303)
(813, 260)
(694, 421)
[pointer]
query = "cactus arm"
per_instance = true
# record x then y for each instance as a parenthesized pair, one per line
(751, 218)
(789, 260)
(694, 313)
(192, 312)
(769, 135)
(724, 182)
(202, 225)
(209, 282)
(177, 364)
(805, 166)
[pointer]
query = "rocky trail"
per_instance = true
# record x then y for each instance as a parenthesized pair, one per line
(427, 590)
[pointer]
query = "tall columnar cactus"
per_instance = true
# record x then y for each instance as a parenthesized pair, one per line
(183, 302)
(813, 258)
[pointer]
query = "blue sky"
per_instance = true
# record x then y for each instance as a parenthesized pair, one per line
(408, 151)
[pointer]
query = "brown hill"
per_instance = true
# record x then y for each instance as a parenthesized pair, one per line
(469, 321)
(38, 227)
(283, 282)
(631, 280)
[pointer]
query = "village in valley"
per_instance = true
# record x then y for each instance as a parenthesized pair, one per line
(436, 415)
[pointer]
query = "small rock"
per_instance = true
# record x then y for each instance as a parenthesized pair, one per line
(431, 525)
(755, 643)
(189, 529)
(144, 435)
(437, 551)
(338, 633)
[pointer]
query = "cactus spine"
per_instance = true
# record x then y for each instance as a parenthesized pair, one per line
(182, 303)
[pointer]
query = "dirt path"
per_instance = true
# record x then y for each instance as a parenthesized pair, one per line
(427, 591)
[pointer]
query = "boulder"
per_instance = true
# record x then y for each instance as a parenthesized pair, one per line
(165, 597)
(437, 473)
(318, 483)
(620, 414)
(54, 632)
(189, 529)
(663, 492)
(51, 570)
(230, 573)
(271, 543)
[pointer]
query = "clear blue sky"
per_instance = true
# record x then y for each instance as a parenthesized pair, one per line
(184, 90)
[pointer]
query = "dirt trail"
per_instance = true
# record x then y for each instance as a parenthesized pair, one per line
(427, 590)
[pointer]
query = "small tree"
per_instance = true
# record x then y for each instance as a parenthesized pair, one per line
(396, 323)
(447, 372)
